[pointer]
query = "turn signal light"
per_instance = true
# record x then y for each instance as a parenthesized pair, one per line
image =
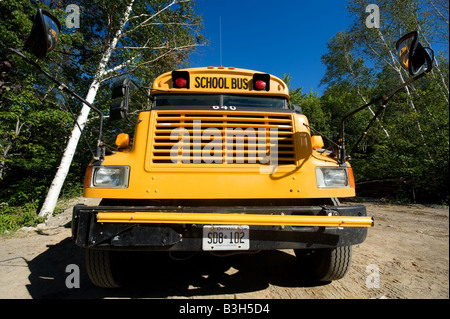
(122, 141)
(351, 178)
(317, 142)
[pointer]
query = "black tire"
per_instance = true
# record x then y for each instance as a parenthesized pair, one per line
(102, 267)
(327, 264)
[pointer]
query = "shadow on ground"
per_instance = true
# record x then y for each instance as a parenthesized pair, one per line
(156, 275)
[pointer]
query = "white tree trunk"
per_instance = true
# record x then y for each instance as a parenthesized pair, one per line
(63, 169)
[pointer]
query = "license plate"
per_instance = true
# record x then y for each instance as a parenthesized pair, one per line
(226, 237)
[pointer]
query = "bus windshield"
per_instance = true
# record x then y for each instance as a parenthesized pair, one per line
(220, 100)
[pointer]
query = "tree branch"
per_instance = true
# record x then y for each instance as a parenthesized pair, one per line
(118, 67)
(439, 12)
(123, 65)
(149, 61)
(143, 23)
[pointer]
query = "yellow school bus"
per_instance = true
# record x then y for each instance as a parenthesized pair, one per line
(222, 162)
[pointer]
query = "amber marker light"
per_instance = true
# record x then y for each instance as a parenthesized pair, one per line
(351, 179)
(122, 140)
(317, 142)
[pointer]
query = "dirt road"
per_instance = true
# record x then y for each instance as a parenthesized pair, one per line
(405, 256)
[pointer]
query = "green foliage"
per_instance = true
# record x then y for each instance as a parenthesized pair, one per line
(32, 127)
(14, 217)
(36, 119)
(311, 105)
(410, 141)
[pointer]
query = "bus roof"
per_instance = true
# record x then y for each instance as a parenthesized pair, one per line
(220, 80)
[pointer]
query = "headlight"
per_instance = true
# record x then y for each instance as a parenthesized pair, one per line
(331, 177)
(110, 176)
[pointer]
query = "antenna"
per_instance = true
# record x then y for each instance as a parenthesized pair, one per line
(220, 38)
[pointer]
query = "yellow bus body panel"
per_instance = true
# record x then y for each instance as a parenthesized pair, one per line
(220, 80)
(170, 180)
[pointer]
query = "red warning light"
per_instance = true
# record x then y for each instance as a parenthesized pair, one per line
(181, 82)
(260, 85)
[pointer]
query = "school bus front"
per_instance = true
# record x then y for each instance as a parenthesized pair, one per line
(221, 162)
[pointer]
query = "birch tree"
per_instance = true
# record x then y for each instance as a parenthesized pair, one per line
(344, 66)
(128, 36)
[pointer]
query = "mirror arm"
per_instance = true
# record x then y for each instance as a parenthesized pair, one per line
(143, 92)
(342, 156)
(99, 151)
(127, 100)
(381, 108)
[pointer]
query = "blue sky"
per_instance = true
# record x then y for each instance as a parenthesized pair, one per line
(276, 37)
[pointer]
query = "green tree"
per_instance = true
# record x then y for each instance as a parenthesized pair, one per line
(32, 124)
(135, 38)
(411, 138)
(311, 106)
(123, 37)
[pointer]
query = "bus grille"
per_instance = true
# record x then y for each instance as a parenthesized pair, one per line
(199, 137)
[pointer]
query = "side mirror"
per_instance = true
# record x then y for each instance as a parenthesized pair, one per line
(412, 55)
(119, 108)
(44, 34)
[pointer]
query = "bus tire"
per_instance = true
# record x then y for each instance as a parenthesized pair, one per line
(102, 268)
(327, 264)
